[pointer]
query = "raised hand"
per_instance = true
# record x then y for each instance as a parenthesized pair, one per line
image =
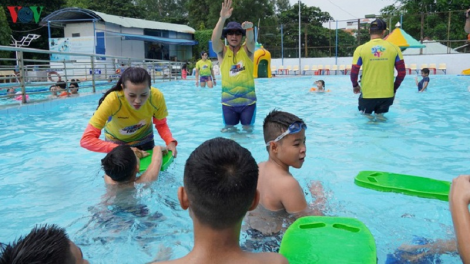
(226, 10)
(247, 25)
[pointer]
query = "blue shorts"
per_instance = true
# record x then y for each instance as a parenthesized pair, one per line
(239, 114)
(205, 78)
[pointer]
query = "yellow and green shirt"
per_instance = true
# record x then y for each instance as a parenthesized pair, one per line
(238, 83)
(204, 67)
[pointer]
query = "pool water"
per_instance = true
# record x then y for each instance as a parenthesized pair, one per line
(41, 91)
(46, 177)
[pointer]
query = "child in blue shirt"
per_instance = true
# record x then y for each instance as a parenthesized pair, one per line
(423, 84)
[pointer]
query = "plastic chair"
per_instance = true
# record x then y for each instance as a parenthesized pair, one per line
(443, 67)
(288, 69)
(306, 69)
(335, 68)
(432, 66)
(314, 69)
(320, 70)
(342, 69)
(413, 67)
(280, 70)
(273, 69)
(327, 69)
(296, 69)
(407, 68)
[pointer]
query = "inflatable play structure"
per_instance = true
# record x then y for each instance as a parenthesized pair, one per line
(466, 72)
(262, 63)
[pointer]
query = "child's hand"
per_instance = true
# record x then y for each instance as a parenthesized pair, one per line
(140, 153)
(460, 189)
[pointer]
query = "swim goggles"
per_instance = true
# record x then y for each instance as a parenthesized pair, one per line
(293, 128)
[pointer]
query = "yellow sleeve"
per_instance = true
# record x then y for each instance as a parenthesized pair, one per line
(158, 101)
(108, 107)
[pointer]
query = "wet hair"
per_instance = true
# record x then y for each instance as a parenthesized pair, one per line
(322, 82)
(220, 178)
(276, 122)
(425, 70)
(134, 75)
(120, 163)
(74, 82)
(44, 244)
(204, 52)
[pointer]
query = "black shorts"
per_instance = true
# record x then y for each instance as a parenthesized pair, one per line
(377, 105)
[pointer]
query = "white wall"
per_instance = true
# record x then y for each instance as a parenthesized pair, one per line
(455, 62)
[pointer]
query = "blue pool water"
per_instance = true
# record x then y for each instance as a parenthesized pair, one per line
(40, 91)
(46, 177)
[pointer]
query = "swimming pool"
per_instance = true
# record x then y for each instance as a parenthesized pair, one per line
(46, 177)
(40, 91)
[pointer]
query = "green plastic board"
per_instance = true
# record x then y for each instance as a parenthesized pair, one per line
(406, 184)
(167, 159)
(323, 239)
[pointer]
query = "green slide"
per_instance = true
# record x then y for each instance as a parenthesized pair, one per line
(323, 239)
(166, 161)
(402, 183)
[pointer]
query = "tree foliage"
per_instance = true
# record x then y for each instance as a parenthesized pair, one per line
(171, 11)
(123, 8)
(5, 33)
(429, 18)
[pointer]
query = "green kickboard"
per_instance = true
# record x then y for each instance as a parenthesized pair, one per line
(167, 159)
(328, 240)
(402, 183)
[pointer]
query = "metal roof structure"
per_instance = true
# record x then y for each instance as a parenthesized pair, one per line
(74, 14)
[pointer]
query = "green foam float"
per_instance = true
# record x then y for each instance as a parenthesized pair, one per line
(167, 159)
(406, 184)
(328, 240)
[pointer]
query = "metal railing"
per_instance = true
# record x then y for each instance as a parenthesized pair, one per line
(28, 75)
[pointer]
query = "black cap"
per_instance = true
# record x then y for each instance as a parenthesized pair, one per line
(233, 26)
(378, 24)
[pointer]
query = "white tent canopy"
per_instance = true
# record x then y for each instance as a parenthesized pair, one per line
(432, 47)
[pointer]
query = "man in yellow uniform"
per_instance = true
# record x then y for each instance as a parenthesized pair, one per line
(236, 64)
(378, 59)
(204, 72)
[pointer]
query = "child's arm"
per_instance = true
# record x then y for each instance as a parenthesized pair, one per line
(425, 85)
(459, 198)
(151, 174)
(293, 198)
(213, 75)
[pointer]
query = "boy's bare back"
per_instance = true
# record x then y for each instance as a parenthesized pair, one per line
(230, 258)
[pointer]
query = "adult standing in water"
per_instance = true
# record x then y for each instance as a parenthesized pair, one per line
(378, 59)
(204, 72)
(126, 113)
(236, 64)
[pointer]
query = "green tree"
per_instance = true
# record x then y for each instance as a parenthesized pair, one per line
(205, 13)
(123, 8)
(5, 34)
(172, 11)
(431, 17)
